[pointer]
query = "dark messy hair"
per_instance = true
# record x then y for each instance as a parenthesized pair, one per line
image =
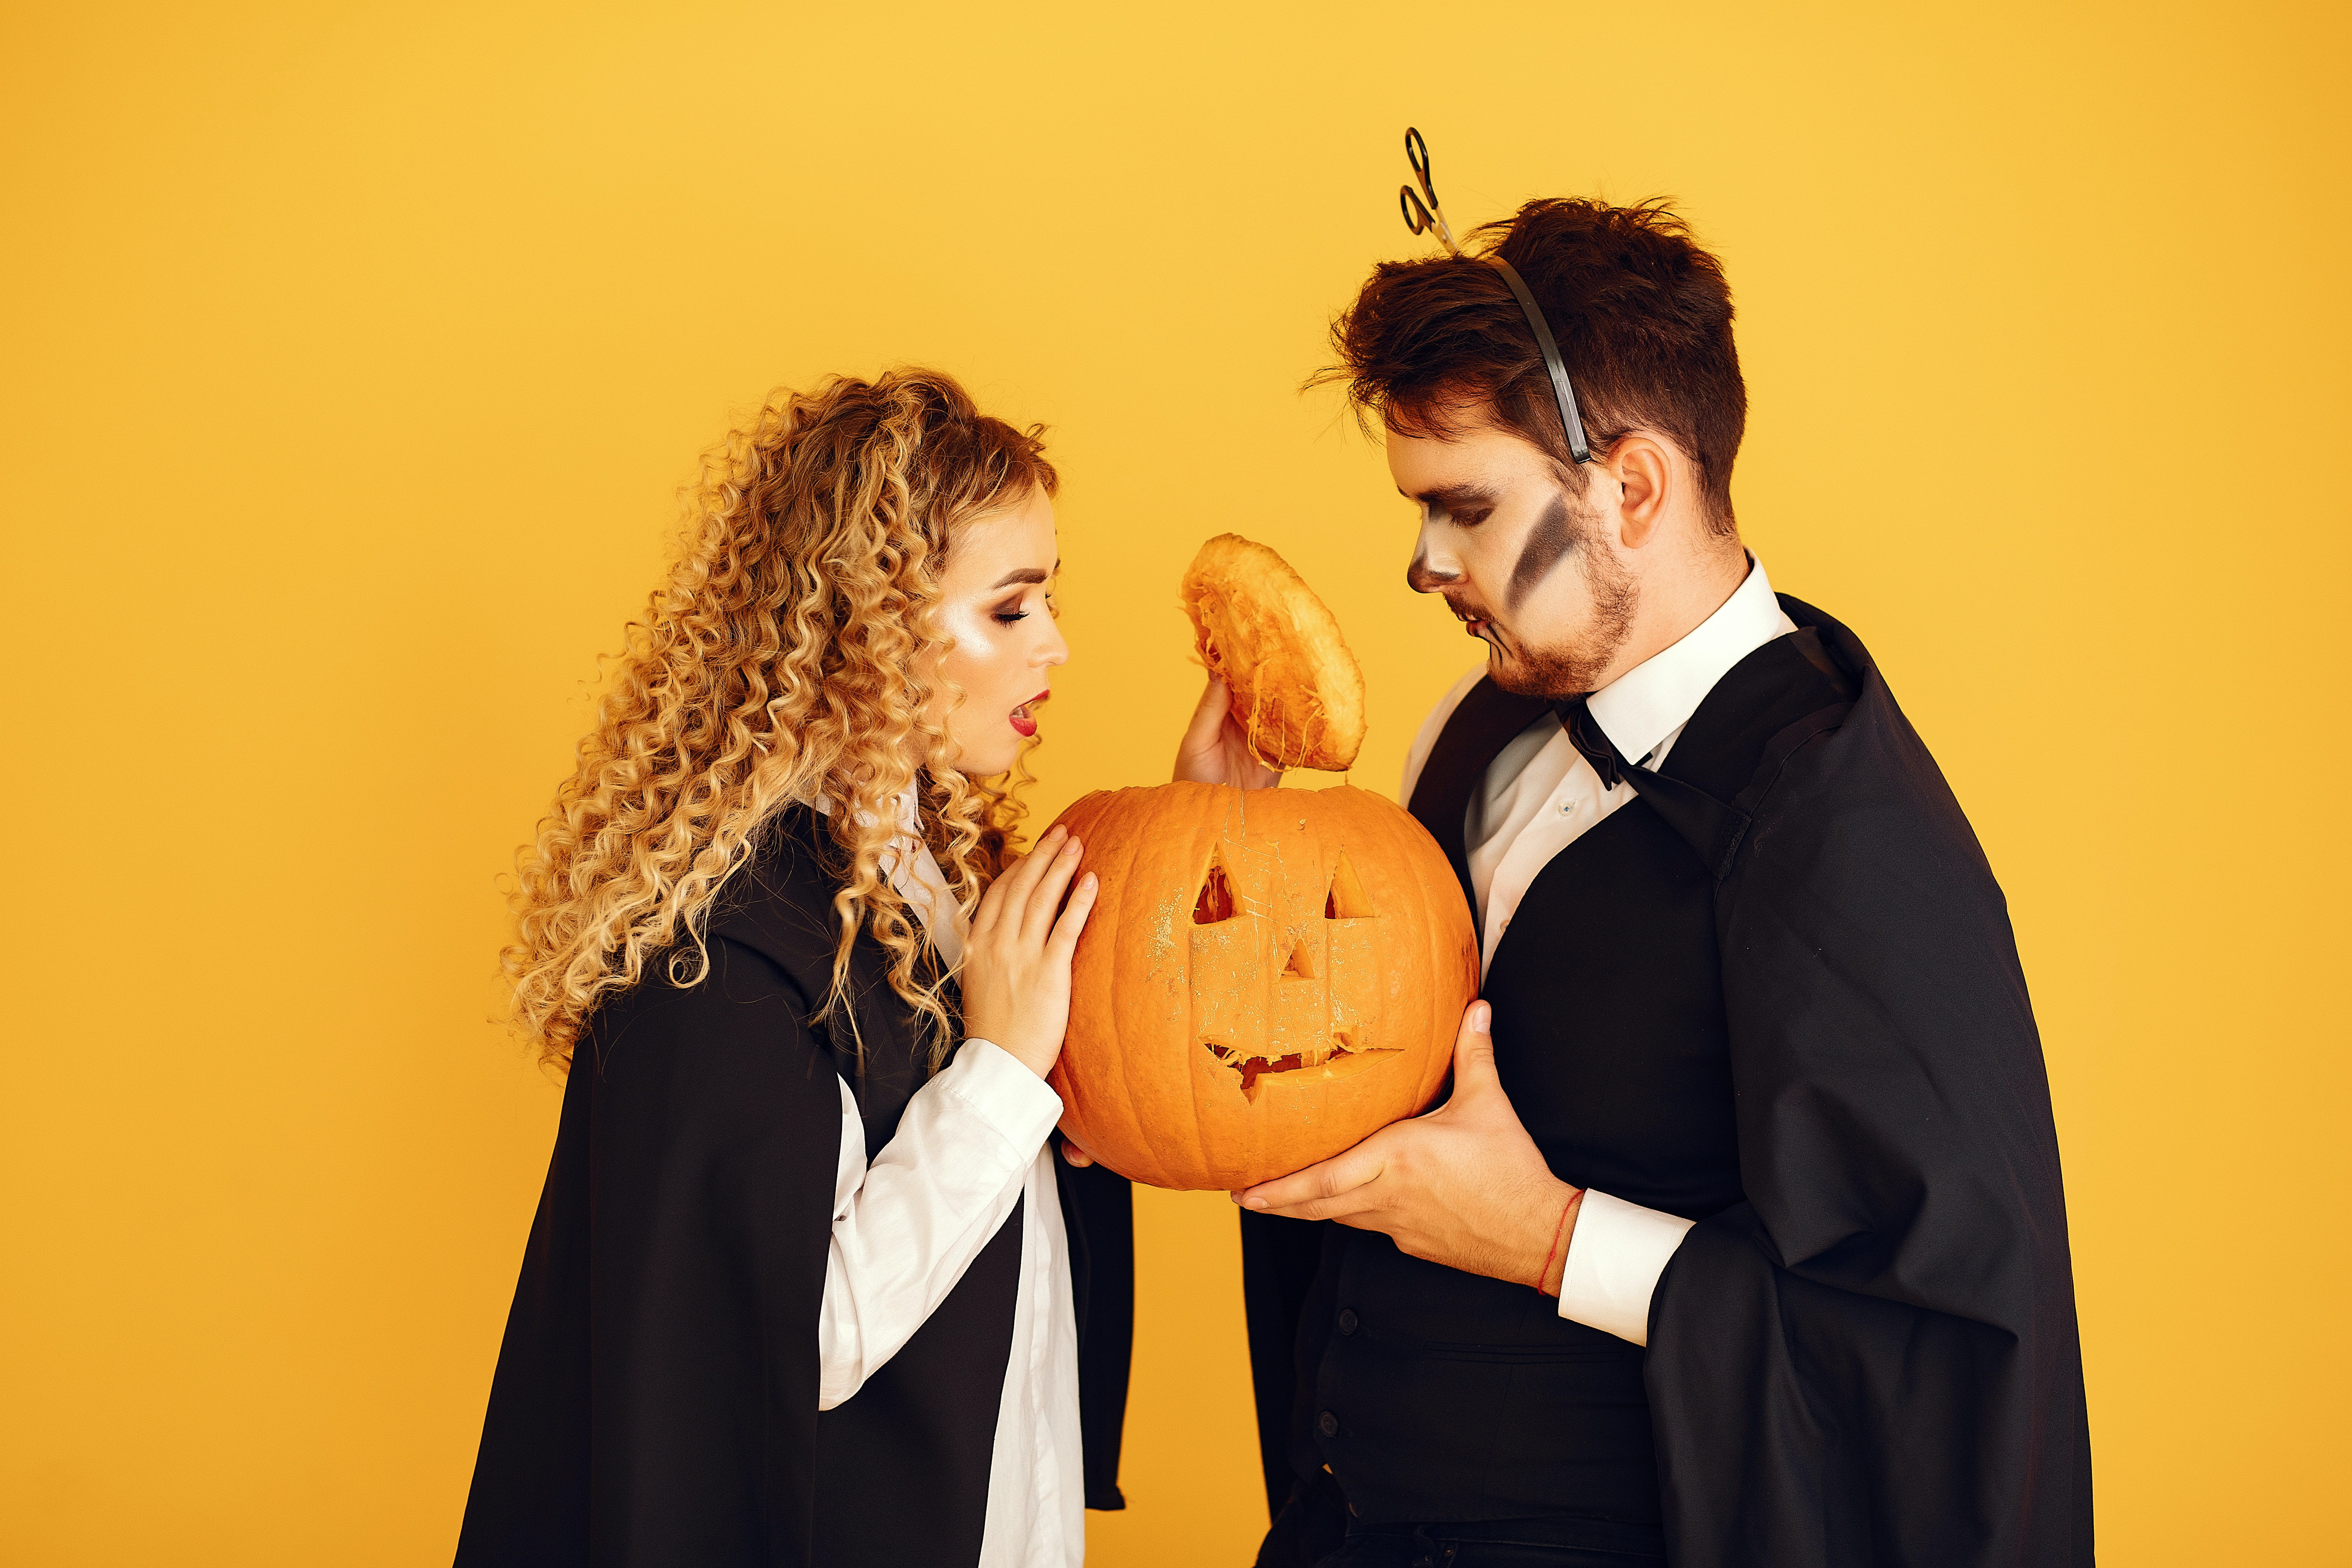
(1642, 314)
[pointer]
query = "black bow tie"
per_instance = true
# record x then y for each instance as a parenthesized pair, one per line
(1592, 742)
(1704, 823)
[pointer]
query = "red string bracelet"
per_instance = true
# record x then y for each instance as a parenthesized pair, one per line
(1574, 1196)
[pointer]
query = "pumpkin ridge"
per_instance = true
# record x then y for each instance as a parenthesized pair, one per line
(1087, 827)
(1129, 882)
(1202, 1159)
(1419, 1090)
(1443, 961)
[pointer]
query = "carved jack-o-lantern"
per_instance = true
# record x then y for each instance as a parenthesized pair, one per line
(1267, 977)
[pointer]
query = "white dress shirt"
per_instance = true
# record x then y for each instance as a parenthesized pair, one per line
(971, 1143)
(1539, 796)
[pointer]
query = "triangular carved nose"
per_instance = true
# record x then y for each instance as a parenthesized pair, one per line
(1302, 963)
(1347, 900)
(1216, 901)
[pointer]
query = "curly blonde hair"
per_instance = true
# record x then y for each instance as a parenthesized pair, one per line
(791, 655)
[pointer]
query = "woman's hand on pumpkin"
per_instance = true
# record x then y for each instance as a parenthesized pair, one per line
(1016, 964)
(1463, 1185)
(1216, 749)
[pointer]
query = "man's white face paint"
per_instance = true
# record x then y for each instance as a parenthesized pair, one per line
(1496, 531)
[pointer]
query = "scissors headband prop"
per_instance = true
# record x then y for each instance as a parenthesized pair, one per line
(1422, 214)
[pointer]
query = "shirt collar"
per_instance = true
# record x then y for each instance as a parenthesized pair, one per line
(1650, 701)
(915, 872)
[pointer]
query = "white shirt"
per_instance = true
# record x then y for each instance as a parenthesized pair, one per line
(971, 1143)
(1539, 796)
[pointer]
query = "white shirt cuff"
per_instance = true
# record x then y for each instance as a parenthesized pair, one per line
(1614, 1258)
(1011, 1100)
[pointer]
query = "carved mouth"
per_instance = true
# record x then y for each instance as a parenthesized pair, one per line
(1341, 1058)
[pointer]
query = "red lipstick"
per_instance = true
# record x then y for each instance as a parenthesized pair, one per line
(1025, 721)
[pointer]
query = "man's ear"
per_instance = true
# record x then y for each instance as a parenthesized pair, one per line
(1646, 470)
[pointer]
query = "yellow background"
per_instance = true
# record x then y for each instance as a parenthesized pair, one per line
(352, 354)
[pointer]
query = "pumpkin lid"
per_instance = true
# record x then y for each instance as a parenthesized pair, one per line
(1297, 690)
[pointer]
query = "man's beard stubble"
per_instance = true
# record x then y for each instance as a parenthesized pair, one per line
(1576, 669)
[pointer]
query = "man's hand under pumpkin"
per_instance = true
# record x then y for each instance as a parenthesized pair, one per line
(1463, 1185)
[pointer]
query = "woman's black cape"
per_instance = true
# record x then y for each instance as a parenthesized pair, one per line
(656, 1399)
(1873, 1358)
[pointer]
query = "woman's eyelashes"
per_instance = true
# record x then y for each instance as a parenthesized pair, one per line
(1013, 611)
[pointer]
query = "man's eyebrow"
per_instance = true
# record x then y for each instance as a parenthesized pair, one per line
(1024, 574)
(1452, 497)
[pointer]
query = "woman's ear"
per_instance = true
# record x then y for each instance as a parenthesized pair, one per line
(1645, 469)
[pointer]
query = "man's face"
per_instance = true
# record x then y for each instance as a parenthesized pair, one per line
(1530, 570)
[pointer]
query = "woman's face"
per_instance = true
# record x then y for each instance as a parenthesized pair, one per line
(995, 602)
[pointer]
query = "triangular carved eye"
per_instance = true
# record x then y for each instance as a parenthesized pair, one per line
(1216, 901)
(1346, 899)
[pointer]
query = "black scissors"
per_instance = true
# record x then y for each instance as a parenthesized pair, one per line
(1423, 215)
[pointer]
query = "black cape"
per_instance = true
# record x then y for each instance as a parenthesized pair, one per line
(655, 1398)
(1871, 1359)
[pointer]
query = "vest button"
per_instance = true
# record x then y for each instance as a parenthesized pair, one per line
(1349, 1321)
(1329, 1425)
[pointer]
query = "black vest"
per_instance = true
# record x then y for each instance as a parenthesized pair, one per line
(1442, 1395)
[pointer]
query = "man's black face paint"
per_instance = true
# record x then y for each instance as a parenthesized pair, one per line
(1548, 541)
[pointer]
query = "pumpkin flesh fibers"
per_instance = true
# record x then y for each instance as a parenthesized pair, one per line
(1268, 977)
